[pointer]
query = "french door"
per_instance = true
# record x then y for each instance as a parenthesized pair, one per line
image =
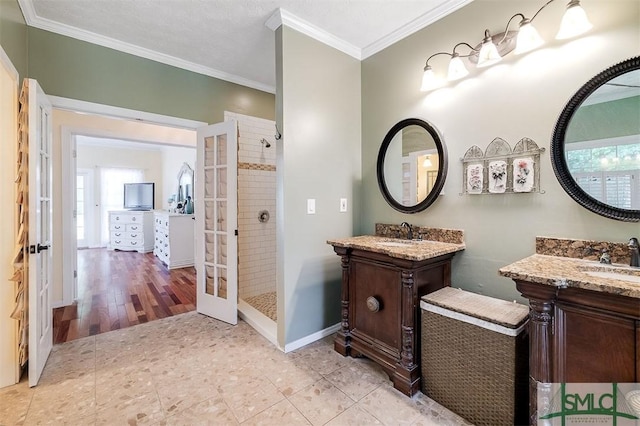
(216, 211)
(39, 231)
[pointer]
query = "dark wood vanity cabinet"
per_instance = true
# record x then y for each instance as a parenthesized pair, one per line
(380, 309)
(581, 336)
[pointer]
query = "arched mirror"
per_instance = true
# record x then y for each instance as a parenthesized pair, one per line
(185, 183)
(412, 165)
(595, 150)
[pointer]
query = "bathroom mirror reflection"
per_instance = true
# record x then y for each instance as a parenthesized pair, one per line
(185, 183)
(412, 165)
(596, 143)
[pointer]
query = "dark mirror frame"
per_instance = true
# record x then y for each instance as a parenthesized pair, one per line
(442, 166)
(558, 159)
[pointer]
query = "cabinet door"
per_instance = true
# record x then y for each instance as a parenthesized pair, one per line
(384, 284)
(593, 347)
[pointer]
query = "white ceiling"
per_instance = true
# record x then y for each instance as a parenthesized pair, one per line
(229, 39)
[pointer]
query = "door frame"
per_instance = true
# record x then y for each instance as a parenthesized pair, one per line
(89, 206)
(68, 172)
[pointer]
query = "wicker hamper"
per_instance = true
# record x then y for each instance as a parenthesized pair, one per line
(475, 356)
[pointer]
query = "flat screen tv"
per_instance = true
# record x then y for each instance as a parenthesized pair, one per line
(139, 196)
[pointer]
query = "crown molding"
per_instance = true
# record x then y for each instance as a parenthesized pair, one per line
(34, 20)
(284, 17)
(417, 24)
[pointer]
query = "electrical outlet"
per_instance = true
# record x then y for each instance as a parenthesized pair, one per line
(343, 205)
(311, 206)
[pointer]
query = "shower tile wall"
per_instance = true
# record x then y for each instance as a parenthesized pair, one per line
(256, 192)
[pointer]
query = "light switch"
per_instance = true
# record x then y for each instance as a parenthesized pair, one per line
(311, 206)
(343, 205)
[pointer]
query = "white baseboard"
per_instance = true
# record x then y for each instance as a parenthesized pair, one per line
(311, 338)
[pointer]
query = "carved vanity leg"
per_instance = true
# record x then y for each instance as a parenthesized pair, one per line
(342, 343)
(406, 378)
(541, 303)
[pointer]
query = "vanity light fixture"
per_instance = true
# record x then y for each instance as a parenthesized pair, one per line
(493, 48)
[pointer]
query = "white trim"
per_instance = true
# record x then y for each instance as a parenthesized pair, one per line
(311, 338)
(118, 112)
(284, 17)
(472, 320)
(33, 20)
(417, 24)
(8, 65)
(258, 321)
(69, 242)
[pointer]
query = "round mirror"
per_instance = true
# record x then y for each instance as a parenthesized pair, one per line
(412, 165)
(595, 150)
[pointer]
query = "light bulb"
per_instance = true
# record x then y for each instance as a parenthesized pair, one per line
(574, 22)
(528, 38)
(429, 80)
(427, 162)
(457, 70)
(488, 52)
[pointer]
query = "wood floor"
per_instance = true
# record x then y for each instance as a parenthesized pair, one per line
(120, 289)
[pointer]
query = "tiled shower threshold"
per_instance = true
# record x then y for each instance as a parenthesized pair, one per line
(258, 321)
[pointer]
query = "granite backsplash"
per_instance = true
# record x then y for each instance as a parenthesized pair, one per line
(582, 249)
(453, 236)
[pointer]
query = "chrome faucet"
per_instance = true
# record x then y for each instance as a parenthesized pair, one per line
(409, 230)
(633, 251)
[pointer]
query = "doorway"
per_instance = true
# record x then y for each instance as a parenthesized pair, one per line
(256, 193)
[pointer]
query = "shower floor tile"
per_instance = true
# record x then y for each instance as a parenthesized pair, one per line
(265, 303)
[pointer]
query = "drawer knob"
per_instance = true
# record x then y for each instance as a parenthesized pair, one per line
(373, 304)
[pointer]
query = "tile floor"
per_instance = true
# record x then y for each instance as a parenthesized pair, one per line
(191, 369)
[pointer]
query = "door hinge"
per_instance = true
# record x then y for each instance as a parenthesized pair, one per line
(75, 214)
(235, 232)
(75, 274)
(75, 153)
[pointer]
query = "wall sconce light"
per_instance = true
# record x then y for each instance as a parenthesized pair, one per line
(427, 162)
(493, 48)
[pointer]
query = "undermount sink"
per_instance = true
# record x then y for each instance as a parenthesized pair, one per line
(614, 273)
(614, 276)
(394, 243)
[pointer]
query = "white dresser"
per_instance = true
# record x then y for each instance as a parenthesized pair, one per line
(174, 239)
(131, 231)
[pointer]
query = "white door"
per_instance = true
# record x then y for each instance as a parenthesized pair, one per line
(39, 211)
(216, 211)
(84, 209)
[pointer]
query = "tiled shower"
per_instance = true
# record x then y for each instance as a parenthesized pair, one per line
(256, 212)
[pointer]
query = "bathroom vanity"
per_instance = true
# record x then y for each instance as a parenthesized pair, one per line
(584, 321)
(382, 282)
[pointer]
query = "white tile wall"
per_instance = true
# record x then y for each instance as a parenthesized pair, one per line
(256, 192)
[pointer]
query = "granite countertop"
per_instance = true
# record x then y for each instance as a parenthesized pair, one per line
(399, 248)
(576, 273)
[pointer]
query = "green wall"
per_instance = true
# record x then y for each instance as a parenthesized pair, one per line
(13, 35)
(520, 97)
(605, 120)
(79, 70)
(318, 158)
(75, 69)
